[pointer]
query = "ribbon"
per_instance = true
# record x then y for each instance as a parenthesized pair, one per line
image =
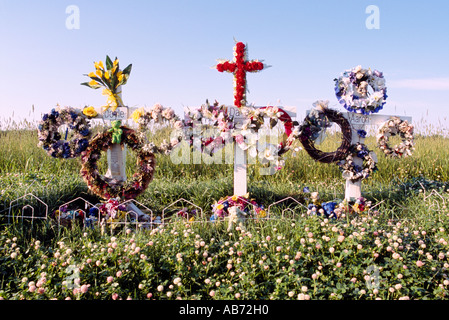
(116, 131)
(113, 101)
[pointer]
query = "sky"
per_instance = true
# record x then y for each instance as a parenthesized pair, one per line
(174, 44)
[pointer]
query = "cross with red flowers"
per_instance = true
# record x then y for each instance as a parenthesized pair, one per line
(239, 68)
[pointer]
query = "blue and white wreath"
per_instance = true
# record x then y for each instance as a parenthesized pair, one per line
(353, 172)
(51, 140)
(361, 90)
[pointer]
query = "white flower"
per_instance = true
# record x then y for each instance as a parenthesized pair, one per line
(321, 105)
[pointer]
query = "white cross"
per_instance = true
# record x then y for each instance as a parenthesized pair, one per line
(359, 122)
(240, 155)
(116, 154)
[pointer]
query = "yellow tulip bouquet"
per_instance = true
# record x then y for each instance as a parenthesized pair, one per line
(110, 78)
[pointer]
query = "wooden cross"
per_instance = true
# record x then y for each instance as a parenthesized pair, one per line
(359, 122)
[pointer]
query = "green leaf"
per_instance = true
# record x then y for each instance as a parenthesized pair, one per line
(109, 63)
(127, 69)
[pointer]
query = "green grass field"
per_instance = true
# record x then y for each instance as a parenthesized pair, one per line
(403, 247)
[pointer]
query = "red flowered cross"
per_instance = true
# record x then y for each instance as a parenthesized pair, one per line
(239, 68)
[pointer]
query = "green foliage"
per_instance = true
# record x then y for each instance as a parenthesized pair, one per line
(304, 257)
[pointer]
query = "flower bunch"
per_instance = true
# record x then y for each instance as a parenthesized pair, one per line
(335, 209)
(392, 127)
(110, 78)
(106, 187)
(352, 89)
(327, 209)
(50, 138)
(239, 67)
(220, 208)
(156, 115)
(90, 112)
(212, 138)
(352, 171)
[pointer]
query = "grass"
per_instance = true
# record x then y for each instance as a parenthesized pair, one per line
(274, 259)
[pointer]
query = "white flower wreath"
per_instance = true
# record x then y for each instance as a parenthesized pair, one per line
(354, 172)
(352, 89)
(392, 127)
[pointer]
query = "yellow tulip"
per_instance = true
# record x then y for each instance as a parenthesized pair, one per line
(234, 198)
(92, 74)
(99, 73)
(115, 62)
(106, 75)
(101, 64)
(120, 78)
(220, 206)
(93, 83)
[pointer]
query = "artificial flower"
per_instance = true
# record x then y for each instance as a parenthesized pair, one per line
(90, 112)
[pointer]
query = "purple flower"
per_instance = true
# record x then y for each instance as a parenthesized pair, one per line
(361, 133)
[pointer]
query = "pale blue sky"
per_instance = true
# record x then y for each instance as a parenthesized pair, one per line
(173, 45)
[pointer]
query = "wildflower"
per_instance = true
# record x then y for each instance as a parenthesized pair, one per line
(114, 296)
(291, 293)
(419, 263)
(331, 249)
(160, 288)
(84, 288)
(212, 293)
(304, 288)
(109, 279)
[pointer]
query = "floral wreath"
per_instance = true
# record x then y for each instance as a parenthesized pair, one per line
(107, 188)
(212, 140)
(249, 206)
(392, 127)
(354, 172)
(319, 118)
(246, 136)
(158, 116)
(50, 139)
(351, 89)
